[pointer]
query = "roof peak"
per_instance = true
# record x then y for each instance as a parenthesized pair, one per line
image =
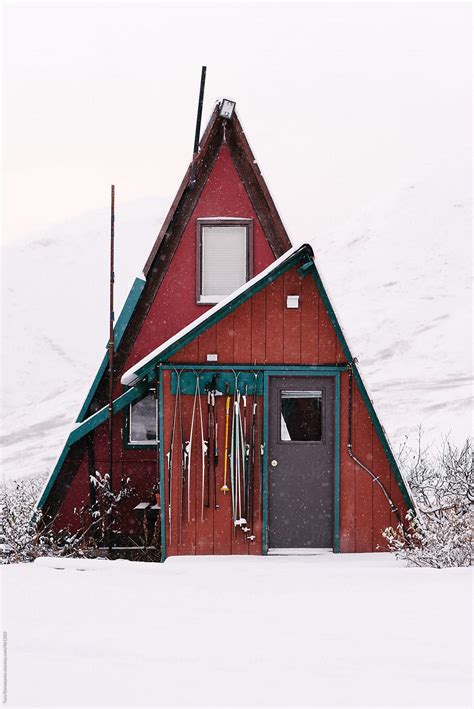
(221, 130)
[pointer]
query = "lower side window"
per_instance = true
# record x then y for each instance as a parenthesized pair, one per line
(143, 421)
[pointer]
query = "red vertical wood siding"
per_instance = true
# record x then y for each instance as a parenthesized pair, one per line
(309, 314)
(260, 331)
(362, 448)
(347, 536)
(291, 319)
(175, 305)
(242, 334)
(274, 322)
(327, 337)
(289, 337)
(258, 327)
(225, 338)
(381, 510)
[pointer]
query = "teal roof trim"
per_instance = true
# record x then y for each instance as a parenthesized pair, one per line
(363, 391)
(86, 427)
(300, 255)
(121, 324)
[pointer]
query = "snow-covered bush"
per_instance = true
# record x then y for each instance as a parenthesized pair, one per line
(439, 533)
(24, 535)
(20, 538)
(99, 522)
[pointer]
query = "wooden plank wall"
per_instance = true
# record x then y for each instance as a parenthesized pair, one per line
(264, 331)
(208, 530)
(261, 331)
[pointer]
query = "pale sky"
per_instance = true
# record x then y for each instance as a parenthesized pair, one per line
(343, 103)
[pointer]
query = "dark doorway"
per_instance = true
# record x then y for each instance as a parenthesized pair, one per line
(301, 462)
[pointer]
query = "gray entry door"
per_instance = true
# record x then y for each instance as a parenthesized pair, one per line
(301, 454)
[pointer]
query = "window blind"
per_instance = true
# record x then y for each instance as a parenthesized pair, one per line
(223, 260)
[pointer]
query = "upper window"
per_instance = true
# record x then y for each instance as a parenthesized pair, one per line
(143, 421)
(224, 258)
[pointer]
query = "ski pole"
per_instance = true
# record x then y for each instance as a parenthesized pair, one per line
(183, 461)
(243, 482)
(169, 455)
(261, 444)
(251, 472)
(239, 460)
(215, 457)
(204, 448)
(189, 447)
(247, 452)
(232, 469)
(209, 429)
(224, 488)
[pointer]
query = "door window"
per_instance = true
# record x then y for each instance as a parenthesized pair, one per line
(301, 416)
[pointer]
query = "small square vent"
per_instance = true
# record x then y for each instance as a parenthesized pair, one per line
(293, 301)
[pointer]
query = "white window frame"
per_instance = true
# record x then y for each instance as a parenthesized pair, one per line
(155, 442)
(221, 222)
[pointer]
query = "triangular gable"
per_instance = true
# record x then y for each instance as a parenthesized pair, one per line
(250, 175)
(217, 132)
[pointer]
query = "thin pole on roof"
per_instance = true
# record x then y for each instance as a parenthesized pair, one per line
(111, 355)
(198, 124)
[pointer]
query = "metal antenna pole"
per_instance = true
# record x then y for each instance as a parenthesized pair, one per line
(198, 124)
(111, 353)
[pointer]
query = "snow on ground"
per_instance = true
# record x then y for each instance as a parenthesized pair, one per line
(350, 630)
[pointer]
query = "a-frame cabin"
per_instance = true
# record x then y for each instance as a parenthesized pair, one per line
(231, 370)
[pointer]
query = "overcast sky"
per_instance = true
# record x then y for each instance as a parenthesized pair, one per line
(343, 103)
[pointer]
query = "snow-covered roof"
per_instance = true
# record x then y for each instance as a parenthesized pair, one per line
(130, 377)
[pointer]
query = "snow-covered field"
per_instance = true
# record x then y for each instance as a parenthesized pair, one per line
(351, 630)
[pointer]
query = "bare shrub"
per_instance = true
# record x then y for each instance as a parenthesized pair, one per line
(20, 538)
(24, 535)
(438, 532)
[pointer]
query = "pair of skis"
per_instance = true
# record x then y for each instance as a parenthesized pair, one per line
(177, 414)
(242, 459)
(187, 450)
(185, 458)
(210, 443)
(239, 458)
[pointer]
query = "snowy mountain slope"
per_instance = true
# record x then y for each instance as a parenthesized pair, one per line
(399, 279)
(55, 324)
(403, 293)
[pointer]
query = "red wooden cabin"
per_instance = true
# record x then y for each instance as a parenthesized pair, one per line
(229, 312)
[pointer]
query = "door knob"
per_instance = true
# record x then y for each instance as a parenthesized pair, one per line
(274, 463)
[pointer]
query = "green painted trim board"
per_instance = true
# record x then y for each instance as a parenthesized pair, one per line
(119, 329)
